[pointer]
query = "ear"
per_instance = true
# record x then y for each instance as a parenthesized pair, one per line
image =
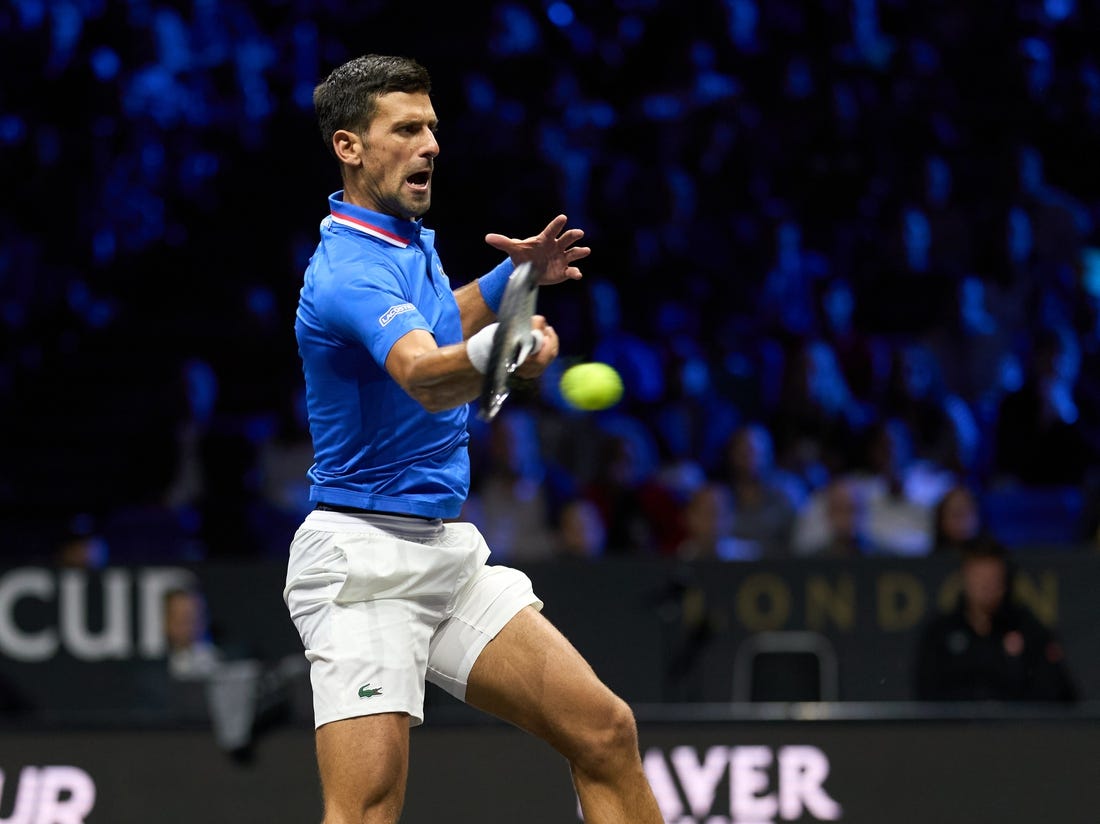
(348, 147)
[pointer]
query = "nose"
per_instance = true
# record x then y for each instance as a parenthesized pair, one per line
(431, 145)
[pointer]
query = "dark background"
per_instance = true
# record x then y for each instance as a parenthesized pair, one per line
(734, 164)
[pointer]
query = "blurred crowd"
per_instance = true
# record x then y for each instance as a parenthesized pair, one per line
(846, 259)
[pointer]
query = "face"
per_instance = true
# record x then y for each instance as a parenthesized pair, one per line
(709, 513)
(842, 509)
(960, 515)
(396, 156)
(984, 583)
(184, 619)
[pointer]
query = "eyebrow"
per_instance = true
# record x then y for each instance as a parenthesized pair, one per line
(432, 124)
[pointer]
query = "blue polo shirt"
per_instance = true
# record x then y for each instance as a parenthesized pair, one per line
(372, 279)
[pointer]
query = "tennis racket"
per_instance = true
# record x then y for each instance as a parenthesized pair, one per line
(513, 341)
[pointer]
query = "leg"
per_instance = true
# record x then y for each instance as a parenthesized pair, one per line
(531, 676)
(364, 764)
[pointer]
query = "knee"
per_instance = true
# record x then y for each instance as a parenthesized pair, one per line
(610, 742)
(374, 799)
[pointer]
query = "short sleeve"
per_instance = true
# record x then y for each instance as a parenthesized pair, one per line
(370, 304)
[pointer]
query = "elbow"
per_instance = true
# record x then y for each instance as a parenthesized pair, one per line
(427, 397)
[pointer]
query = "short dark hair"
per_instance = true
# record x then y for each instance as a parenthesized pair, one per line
(347, 98)
(982, 547)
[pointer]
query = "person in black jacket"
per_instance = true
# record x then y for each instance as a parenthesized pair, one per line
(989, 647)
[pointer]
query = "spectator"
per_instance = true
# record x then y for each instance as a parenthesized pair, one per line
(221, 683)
(833, 523)
(192, 654)
(640, 514)
(708, 523)
(581, 533)
(898, 509)
(989, 647)
(957, 520)
(763, 509)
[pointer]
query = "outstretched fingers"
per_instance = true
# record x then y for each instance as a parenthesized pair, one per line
(553, 249)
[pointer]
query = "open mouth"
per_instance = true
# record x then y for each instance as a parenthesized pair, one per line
(419, 180)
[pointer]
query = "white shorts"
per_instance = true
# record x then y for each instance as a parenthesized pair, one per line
(383, 603)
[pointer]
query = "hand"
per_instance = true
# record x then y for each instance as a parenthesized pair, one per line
(552, 249)
(536, 362)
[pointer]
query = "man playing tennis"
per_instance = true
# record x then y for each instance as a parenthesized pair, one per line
(385, 592)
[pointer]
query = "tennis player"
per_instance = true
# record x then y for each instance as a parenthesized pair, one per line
(384, 589)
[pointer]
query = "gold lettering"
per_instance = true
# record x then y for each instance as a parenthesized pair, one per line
(763, 602)
(950, 592)
(826, 602)
(900, 601)
(1041, 598)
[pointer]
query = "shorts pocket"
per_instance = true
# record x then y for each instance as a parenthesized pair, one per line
(381, 566)
(314, 574)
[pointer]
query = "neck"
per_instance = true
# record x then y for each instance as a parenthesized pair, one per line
(980, 620)
(357, 197)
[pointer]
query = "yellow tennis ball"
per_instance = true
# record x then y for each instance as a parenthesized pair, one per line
(591, 386)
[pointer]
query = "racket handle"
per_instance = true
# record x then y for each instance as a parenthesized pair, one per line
(531, 346)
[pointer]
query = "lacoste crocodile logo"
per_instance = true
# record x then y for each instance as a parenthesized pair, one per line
(366, 691)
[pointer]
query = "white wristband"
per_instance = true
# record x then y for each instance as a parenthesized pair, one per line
(480, 346)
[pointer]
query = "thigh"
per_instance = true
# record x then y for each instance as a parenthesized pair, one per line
(364, 764)
(481, 609)
(531, 675)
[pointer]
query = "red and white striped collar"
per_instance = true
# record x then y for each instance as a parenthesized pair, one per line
(387, 228)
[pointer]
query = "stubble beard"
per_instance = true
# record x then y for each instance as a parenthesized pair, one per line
(412, 207)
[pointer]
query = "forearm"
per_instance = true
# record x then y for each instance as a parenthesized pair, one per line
(441, 378)
(448, 376)
(479, 301)
(475, 312)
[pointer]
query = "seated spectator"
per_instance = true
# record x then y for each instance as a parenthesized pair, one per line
(708, 522)
(956, 520)
(763, 509)
(192, 654)
(832, 524)
(989, 647)
(581, 532)
(899, 521)
(641, 514)
(240, 695)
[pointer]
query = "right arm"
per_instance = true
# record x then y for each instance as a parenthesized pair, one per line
(443, 377)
